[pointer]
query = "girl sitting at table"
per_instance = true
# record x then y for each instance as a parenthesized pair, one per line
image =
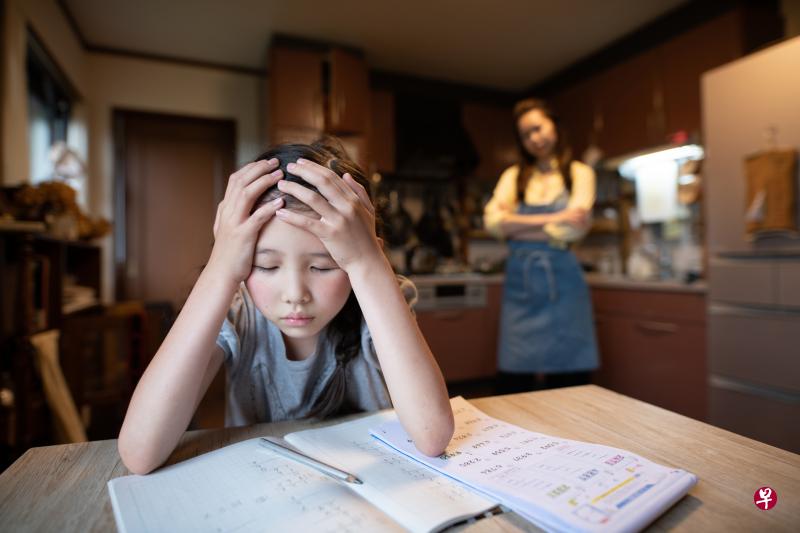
(301, 305)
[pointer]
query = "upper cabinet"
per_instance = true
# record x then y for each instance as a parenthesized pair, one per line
(295, 90)
(642, 100)
(315, 90)
(348, 98)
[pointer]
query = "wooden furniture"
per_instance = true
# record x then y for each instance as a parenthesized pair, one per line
(64, 487)
(35, 271)
(640, 101)
(653, 347)
(464, 341)
(315, 89)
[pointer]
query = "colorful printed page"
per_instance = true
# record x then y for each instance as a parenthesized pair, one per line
(414, 495)
(559, 484)
(243, 487)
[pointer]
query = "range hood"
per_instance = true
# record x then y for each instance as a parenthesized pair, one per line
(431, 141)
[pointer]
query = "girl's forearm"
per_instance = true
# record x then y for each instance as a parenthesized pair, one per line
(170, 389)
(412, 375)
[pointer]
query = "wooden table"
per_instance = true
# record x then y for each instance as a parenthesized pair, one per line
(63, 488)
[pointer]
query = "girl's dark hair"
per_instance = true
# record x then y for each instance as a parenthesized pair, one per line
(345, 328)
(527, 161)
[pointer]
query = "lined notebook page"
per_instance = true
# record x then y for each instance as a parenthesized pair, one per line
(242, 488)
(417, 497)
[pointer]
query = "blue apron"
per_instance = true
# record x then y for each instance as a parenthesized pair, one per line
(546, 320)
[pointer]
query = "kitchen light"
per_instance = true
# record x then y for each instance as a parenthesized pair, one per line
(629, 166)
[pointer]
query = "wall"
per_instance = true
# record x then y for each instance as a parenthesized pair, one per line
(790, 9)
(105, 82)
(145, 85)
(46, 20)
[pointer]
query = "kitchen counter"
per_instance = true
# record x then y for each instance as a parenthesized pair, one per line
(611, 281)
(594, 279)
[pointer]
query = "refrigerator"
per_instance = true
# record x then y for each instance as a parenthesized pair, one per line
(751, 112)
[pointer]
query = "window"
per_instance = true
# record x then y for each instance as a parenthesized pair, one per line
(49, 105)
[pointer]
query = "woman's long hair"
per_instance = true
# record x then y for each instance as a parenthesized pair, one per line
(527, 161)
(345, 328)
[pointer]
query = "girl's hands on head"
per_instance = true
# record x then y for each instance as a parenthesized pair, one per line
(235, 228)
(347, 217)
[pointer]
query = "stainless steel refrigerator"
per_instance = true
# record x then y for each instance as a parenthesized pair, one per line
(751, 112)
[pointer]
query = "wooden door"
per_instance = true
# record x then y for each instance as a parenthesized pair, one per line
(171, 174)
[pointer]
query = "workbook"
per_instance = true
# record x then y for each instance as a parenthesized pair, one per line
(558, 484)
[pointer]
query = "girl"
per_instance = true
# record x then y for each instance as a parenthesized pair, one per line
(296, 250)
(541, 205)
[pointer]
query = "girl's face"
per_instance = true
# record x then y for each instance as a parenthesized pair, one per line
(296, 284)
(538, 133)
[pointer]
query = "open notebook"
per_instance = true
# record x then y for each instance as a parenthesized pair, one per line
(245, 487)
(560, 485)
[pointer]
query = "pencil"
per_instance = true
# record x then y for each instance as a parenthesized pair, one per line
(300, 457)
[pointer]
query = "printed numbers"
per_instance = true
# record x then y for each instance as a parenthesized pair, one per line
(558, 491)
(614, 460)
(506, 435)
(548, 445)
(491, 427)
(586, 476)
(470, 462)
(481, 444)
(523, 456)
(500, 451)
(491, 469)
(472, 421)
(462, 436)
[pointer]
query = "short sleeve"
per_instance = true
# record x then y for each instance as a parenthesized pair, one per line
(582, 195)
(503, 198)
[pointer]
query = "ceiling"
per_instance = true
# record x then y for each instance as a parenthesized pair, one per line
(500, 44)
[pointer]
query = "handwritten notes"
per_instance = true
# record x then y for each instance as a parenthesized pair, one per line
(557, 483)
(241, 488)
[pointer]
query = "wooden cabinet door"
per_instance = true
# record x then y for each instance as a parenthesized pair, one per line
(348, 100)
(686, 57)
(295, 86)
(630, 101)
(658, 361)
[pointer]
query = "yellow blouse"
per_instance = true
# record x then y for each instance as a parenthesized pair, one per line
(543, 189)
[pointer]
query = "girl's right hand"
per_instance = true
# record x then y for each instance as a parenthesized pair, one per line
(235, 229)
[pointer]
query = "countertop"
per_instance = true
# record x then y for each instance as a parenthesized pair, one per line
(606, 281)
(63, 487)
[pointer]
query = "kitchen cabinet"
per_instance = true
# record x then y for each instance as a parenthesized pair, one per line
(640, 101)
(653, 348)
(295, 90)
(315, 90)
(464, 339)
(348, 98)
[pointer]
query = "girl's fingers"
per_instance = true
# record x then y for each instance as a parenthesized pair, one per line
(314, 225)
(314, 200)
(324, 179)
(360, 191)
(246, 198)
(249, 173)
(261, 215)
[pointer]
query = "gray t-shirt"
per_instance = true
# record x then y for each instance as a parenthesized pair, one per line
(264, 386)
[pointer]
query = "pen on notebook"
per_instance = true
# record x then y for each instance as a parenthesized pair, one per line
(300, 457)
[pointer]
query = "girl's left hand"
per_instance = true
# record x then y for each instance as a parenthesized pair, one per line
(347, 217)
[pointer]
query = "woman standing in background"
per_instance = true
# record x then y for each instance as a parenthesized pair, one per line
(540, 206)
